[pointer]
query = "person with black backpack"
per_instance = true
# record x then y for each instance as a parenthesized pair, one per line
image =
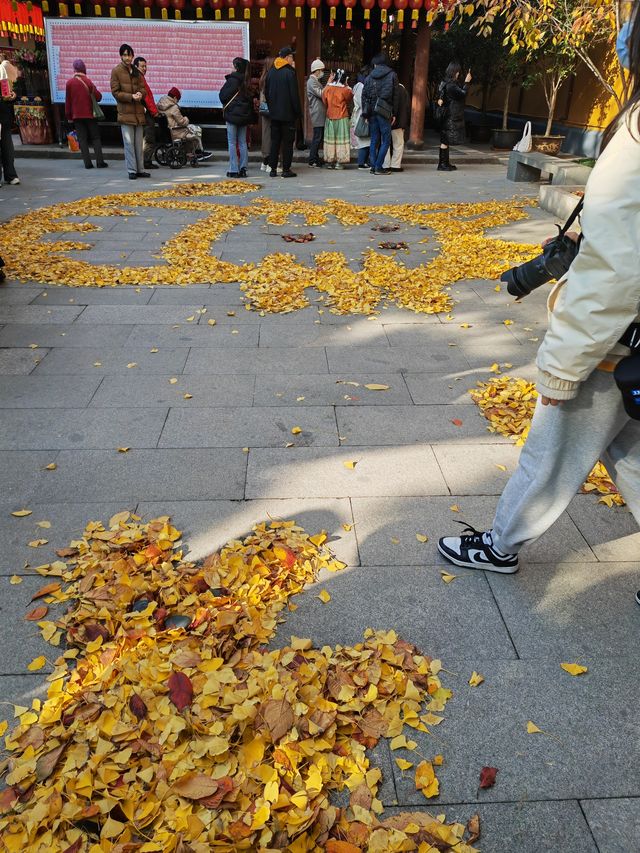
(237, 107)
(449, 113)
(380, 107)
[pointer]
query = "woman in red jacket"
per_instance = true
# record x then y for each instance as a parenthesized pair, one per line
(79, 110)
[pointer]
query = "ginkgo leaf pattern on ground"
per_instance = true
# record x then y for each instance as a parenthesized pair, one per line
(278, 283)
(198, 737)
(508, 404)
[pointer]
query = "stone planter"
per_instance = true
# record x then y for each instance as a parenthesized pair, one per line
(547, 144)
(505, 139)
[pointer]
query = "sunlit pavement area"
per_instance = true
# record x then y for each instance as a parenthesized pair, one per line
(75, 399)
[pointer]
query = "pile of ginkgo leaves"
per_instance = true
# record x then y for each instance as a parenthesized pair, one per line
(170, 725)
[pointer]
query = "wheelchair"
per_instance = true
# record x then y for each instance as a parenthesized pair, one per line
(171, 152)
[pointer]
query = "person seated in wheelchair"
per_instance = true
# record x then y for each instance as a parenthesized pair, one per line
(179, 126)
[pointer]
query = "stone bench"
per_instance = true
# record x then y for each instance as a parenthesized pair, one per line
(529, 167)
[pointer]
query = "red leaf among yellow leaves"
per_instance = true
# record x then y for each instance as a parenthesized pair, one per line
(47, 589)
(488, 777)
(37, 613)
(138, 707)
(180, 690)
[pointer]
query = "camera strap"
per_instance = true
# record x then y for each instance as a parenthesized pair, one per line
(576, 213)
(631, 337)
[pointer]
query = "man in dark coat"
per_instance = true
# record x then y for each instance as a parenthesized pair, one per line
(283, 100)
(380, 102)
(399, 131)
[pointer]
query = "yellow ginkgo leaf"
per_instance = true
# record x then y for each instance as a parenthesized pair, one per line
(347, 527)
(124, 449)
(403, 764)
(296, 430)
(132, 364)
(22, 513)
(421, 537)
(475, 679)
(37, 663)
(324, 596)
(574, 668)
(373, 386)
(446, 577)
(36, 543)
(351, 464)
(454, 508)
(45, 524)
(187, 396)
(14, 580)
(51, 466)
(211, 322)
(154, 349)
(173, 380)
(532, 729)
(501, 467)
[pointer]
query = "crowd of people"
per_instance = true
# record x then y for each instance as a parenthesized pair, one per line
(366, 120)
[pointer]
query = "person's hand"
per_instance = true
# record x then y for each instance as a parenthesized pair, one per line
(393, 120)
(468, 78)
(549, 401)
(332, 77)
(137, 96)
(12, 95)
(572, 235)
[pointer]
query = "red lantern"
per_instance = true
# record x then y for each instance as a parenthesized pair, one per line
(283, 12)
(113, 8)
(349, 4)
(262, 5)
(198, 5)
(401, 5)
(333, 5)
(367, 5)
(298, 5)
(163, 5)
(178, 6)
(146, 5)
(217, 6)
(231, 6)
(314, 5)
(415, 6)
(246, 5)
(384, 5)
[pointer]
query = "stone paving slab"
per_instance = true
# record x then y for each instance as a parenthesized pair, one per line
(148, 314)
(150, 390)
(243, 315)
(427, 389)
(68, 520)
(27, 392)
(21, 472)
(315, 472)
(414, 334)
(21, 690)
(20, 362)
(208, 525)
(413, 601)
(62, 295)
(326, 390)
(23, 335)
(615, 823)
(217, 360)
(18, 295)
(21, 641)
(216, 294)
(99, 361)
(518, 360)
(386, 530)
(58, 429)
(390, 425)
(40, 314)
(579, 611)
(472, 469)
(487, 726)
(106, 475)
(249, 427)
(192, 336)
(611, 532)
(426, 359)
(358, 333)
(525, 827)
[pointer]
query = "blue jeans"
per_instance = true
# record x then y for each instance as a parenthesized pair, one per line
(363, 156)
(380, 140)
(237, 140)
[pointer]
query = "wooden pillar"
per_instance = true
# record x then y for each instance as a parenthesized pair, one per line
(406, 55)
(420, 80)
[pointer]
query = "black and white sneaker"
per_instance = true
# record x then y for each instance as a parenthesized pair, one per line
(475, 550)
(204, 155)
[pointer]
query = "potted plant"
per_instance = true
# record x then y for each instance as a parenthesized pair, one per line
(514, 71)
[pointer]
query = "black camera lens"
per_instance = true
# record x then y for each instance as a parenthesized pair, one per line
(522, 280)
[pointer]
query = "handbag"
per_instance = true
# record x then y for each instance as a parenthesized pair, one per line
(440, 106)
(97, 109)
(230, 101)
(361, 129)
(526, 143)
(263, 109)
(383, 109)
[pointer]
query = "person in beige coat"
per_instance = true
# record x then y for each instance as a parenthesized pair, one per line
(180, 127)
(580, 417)
(127, 87)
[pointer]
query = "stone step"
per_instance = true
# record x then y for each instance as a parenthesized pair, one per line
(559, 200)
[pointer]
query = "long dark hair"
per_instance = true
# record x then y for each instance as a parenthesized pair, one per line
(453, 71)
(634, 95)
(267, 66)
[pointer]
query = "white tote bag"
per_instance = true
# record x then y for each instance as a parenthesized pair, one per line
(526, 143)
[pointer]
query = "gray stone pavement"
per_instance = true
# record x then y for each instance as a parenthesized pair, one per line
(74, 400)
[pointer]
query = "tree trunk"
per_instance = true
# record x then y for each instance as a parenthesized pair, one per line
(555, 85)
(505, 106)
(420, 81)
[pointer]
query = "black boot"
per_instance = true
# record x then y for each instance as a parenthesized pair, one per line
(443, 161)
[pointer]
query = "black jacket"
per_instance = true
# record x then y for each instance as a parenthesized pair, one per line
(381, 83)
(454, 97)
(281, 93)
(403, 115)
(240, 110)
(6, 112)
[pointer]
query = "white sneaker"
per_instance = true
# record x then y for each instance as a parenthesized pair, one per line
(14, 181)
(475, 550)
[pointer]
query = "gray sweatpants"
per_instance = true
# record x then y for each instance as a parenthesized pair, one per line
(563, 445)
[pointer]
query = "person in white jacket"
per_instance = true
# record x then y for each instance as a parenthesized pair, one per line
(579, 417)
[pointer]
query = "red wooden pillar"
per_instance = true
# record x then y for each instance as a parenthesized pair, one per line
(420, 80)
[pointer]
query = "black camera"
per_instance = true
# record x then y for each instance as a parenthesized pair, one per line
(556, 258)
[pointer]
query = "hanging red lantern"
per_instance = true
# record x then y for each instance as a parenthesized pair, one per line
(246, 5)
(262, 5)
(298, 5)
(367, 5)
(283, 12)
(146, 5)
(217, 6)
(349, 4)
(113, 8)
(178, 6)
(401, 5)
(127, 8)
(198, 5)
(384, 6)
(314, 5)
(415, 6)
(333, 5)
(163, 5)
(231, 6)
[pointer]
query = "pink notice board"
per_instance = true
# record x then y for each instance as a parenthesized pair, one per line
(192, 55)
